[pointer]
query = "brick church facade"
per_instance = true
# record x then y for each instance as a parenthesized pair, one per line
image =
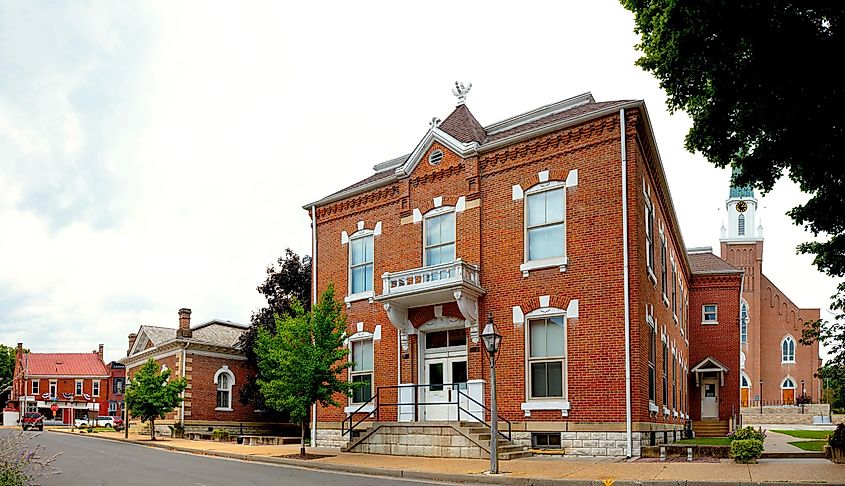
(776, 368)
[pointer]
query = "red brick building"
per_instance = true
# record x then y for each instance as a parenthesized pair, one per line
(117, 386)
(209, 357)
(76, 383)
(559, 224)
(772, 357)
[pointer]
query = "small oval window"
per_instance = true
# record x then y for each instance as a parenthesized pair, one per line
(435, 157)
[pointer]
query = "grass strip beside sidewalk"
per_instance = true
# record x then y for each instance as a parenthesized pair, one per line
(805, 434)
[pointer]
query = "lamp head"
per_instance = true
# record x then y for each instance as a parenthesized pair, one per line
(491, 337)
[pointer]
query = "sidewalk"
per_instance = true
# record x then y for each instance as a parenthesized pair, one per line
(532, 470)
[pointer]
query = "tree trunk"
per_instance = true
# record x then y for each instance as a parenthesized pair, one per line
(152, 429)
(302, 439)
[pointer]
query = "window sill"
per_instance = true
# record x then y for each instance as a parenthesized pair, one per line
(223, 409)
(562, 405)
(561, 262)
(666, 411)
(788, 362)
(367, 294)
(354, 408)
(709, 323)
(675, 413)
(652, 408)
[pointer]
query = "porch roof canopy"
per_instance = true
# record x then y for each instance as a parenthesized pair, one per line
(709, 365)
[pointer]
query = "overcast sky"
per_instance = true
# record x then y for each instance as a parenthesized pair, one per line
(156, 155)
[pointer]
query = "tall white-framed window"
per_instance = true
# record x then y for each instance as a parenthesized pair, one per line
(54, 385)
(743, 322)
(649, 236)
(361, 262)
(740, 225)
(545, 222)
(95, 388)
(787, 347)
(439, 237)
(709, 314)
(36, 387)
(652, 363)
(665, 374)
(674, 292)
(547, 357)
(225, 381)
(362, 370)
(674, 383)
(78, 388)
(664, 280)
(112, 408)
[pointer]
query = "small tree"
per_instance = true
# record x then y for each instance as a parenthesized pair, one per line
(151, 393)
(303, 362)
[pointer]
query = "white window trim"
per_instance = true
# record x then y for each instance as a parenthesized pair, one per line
(649, 225)
(35, 387)
(357, 338)
(562, 261)
(783, 383)
(95, 388)
(224, 370)
(555, 403)
(433, 214)
(78, 388)
(350, 297)
(743, 322)
(703, 314)
(794, 349)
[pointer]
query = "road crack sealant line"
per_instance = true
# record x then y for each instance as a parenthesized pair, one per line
(442, 477)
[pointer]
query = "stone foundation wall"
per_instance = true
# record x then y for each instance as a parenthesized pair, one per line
(330, 438)
(603, 443)
(784, 414)
(420, 442)
(233, 429)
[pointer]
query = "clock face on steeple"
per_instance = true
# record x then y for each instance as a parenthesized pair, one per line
(742, 206)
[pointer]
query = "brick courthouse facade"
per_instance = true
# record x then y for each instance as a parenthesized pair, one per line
(559, 224)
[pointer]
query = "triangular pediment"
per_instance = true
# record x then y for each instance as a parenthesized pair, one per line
(709, 364)
(435, 134)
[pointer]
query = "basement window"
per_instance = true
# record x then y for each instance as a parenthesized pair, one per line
(545, 440)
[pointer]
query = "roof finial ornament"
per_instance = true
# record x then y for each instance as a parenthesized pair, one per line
(461, 92)
(434, 122)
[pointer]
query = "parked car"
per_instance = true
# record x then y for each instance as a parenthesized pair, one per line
(101, 421)
(32, 420)
(118, 423)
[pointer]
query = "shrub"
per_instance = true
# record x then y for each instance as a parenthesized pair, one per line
(746, 451)
(837, 439)
(21, 465)
(803, 399)
(747, 433)
(220, 435)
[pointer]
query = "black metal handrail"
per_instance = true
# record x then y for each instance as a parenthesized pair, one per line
(377, 403)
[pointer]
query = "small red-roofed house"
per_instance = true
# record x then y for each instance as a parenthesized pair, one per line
(75, 383)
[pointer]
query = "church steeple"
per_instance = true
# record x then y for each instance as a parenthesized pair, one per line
(741, 207)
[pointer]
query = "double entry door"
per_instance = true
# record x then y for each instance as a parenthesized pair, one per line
(445, 377)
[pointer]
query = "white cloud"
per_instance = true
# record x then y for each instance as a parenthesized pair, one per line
(157, 155)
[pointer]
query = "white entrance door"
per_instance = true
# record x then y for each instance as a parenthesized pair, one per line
(710, 399)
(444, 376)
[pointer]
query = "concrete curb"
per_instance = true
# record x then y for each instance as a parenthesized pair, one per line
(438, 476)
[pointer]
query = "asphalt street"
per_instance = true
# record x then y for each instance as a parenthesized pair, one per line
(91, 461)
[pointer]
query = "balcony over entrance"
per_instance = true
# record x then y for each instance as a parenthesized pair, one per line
(455, 281)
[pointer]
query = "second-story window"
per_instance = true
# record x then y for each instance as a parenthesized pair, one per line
(35, 387)
(78, 390)
(544, 227)
(709, 314)
(361, 264)
(95, 388)
(788, 350)
(439, 239)
(743, 323)
(649, 236)
(664, 279)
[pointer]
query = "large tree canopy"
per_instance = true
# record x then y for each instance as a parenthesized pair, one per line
(759, 80)
(152, 392)
(287, 281)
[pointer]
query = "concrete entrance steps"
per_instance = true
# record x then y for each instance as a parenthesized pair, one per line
(711, 428)
(430, 439)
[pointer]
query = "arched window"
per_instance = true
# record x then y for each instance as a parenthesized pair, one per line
(745, 383)
(788, 383)
(743, 323)
(741, 225)
(439, 236)
(787, 391)
(225, 380)
(788, 350)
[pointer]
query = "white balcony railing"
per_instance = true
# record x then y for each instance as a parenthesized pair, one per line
(431, 277)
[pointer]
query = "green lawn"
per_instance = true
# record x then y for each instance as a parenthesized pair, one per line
(805, 434)
(810, 445)
(706, 441)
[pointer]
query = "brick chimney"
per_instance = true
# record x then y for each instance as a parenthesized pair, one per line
(184, 330)
(99, 352)
(132, 338)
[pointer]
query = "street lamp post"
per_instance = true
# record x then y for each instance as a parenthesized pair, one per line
(803, 394)
(761, 398)
(492, 339)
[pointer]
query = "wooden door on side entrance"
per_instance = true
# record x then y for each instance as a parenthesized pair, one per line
(788, 396)
(743, 396)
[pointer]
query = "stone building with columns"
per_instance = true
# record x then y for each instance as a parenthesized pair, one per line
(557, 224)
(209, 357)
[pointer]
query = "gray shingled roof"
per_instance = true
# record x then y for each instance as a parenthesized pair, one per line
(157, 334)
(215, 333)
